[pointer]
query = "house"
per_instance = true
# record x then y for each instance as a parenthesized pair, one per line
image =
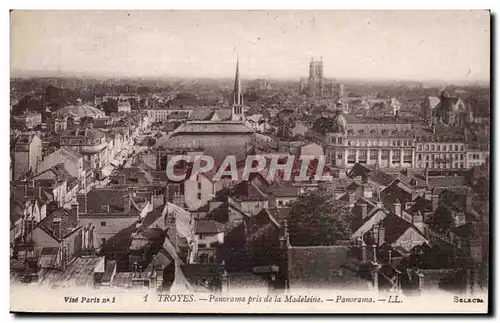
(111, 210)
(28, 207)
(58, 238)
(209, 234)
(283, 194)
(27, 151)
(249, 197)
(62, 183)
(73, 163)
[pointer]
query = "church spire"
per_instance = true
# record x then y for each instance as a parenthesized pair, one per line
(237, 84)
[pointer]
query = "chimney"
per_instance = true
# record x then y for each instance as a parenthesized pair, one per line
(352, 198)
(126, 204)
(426, 175)
(74, 212)
(435, 202)
(367, 191)
(397, 208)
(285, 238)
(82, 203)
(364, 211)
(381, 234)
(364, 251)
(468, 202)
(56, 228)
(418, 221)
(379, 204)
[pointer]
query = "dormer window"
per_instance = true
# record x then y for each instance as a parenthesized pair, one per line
(105, 208)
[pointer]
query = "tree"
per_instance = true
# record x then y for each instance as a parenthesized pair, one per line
(318, 219)
(110, 106)
(442, 220)
(323, 125)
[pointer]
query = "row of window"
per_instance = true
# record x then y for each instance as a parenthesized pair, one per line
(441, 165)
(441, 147)
(440, 156)
(440, 138)
(80, 141)
(375, 142)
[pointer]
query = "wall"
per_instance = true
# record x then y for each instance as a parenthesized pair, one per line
(114, 223)
(191, 191)
(21, 164)
(410, 239)
(73, 167)
(253, 207)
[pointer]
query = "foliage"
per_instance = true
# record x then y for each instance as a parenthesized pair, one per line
(110, 106)
(27, 103)
(317, 219)
(323, 125)
(442, 220)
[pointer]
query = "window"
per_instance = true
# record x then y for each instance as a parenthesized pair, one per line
(385, 154)
(419, 157)
(348, 142)
(438, 147)
(201, 236)
(407, 156)
(444, 147)
(426, 147)
(199, 185)
(201, 245)
(373, 154)
(396, 156)
(461, 156)
(432, 147)
(199, 196)
(351, 156)
(103, 224)
(461, 148)
(419, 147)
(362, 156)
(340, 140)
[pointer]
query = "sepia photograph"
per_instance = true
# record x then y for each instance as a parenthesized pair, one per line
(250, 161)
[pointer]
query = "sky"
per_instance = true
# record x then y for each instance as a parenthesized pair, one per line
(400, 45)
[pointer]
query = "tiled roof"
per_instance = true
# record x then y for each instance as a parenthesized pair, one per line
(245, 191)
(82, 110)
(219, 114)
(203, 226)
(322, 266)
(87, 133)
(395, 227)
(284, 189)
(380, 177)
(201, 127)
(68, 223)
(447, 181)
(114, 198)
